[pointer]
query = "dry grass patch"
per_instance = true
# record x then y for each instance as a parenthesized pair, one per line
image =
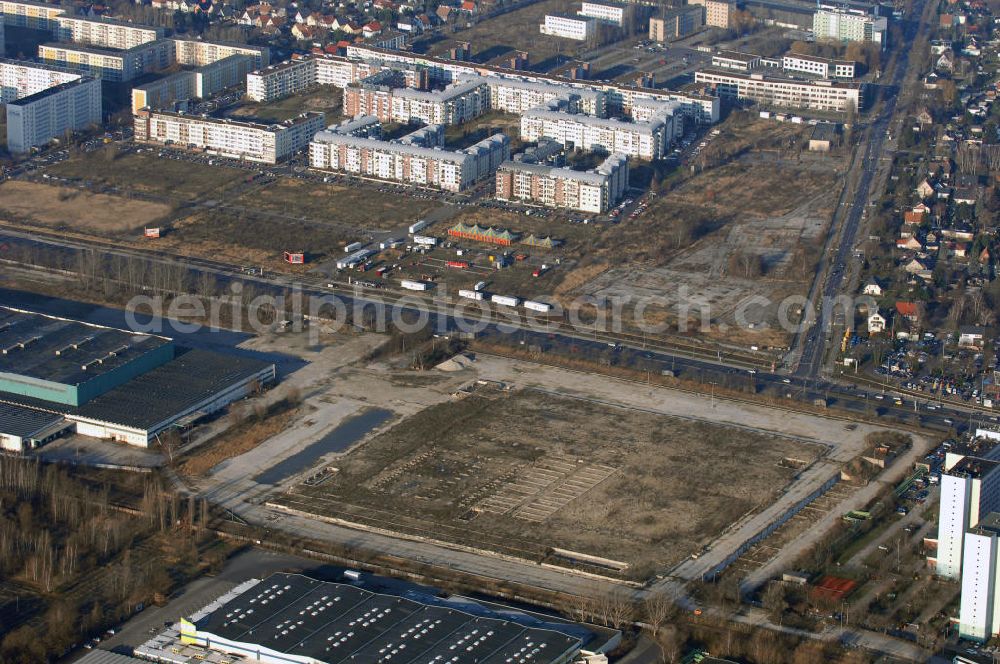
(75, 210)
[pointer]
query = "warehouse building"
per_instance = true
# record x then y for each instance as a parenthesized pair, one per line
(25, 429)
(594, 191)
(292, 619)
(59, 375)
(251, 141)
(35, 120)
(818, 95)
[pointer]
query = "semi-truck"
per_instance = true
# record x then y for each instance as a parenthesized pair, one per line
(414, 285)
(505, 300)
(537, 306)
(470, 294)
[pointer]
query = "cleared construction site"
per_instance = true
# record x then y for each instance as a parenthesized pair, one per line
(510, 472)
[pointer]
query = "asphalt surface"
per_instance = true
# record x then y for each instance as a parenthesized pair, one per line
(812, 349)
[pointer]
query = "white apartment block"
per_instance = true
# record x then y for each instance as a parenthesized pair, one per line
(605, 12)
(197, 53)
(579, 28)
(295, 76)
(456, 104)
(105, 33)
(716, 12)
(407, 161)
(517, 96)
(593, 191)
(22, 79)
(781, 92)
(846, 25)
(110, 64)
(643, 140)
(819, 66)
(36, 119)
(251, 141)
(979, 610)
(35, 15)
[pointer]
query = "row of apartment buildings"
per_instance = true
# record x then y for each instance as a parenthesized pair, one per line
(250, 141)
(594, 191)
(417, 159)
(44, 103)
(125, 65)
(199, 83)
(362, 61)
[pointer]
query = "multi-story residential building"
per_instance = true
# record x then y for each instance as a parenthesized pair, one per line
(783, 92)
(22, 79)
(282, 79)
(968, 524)
(644, 140)
(408, 161)
(296, 76)
(810, 64)
(717, 12)
(36, 119)
(199, 83)
(846, 25)
(104, 33)
(593, 191)
(579, 28)
(517, 96)
(228, 138)
(458, 103)
(26, 14)
(611, 13)
(736, 61)
(699, 107)
(676, 23)
(979, 609)
(197, 53)
(109, 64)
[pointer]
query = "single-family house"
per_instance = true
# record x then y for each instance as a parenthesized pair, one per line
(876, 323)
(908, 310)
(971, 336)
(873, 288)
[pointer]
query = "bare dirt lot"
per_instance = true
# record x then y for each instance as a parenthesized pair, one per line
(72, 209)
(357, 206)
(512, 472)
(720, 235)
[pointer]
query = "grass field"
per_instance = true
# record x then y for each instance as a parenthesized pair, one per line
(327, 100)
(75, 210)
(148, 173)
(357, 206)
(515, 473)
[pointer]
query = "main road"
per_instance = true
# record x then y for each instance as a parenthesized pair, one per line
(832, 275)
